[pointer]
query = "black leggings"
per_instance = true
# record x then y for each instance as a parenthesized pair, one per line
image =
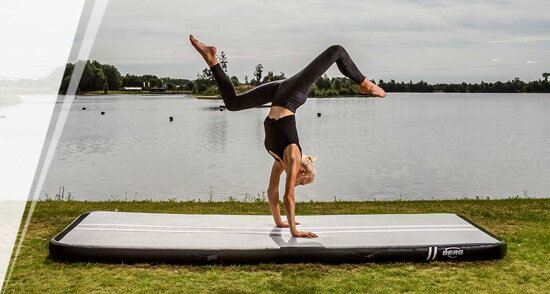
(290, 93)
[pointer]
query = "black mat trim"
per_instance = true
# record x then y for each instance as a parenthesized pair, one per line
(479, 227)
(71, 226)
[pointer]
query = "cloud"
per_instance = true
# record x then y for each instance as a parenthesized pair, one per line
(285, 35)
(526, 39)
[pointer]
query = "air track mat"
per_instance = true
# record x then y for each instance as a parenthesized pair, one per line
(129, 237)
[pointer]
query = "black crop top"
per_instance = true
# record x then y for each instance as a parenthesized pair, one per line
(279, 133)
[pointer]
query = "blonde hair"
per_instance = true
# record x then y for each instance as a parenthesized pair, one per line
(307, 163)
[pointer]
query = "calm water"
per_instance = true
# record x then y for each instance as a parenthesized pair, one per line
(408, 146)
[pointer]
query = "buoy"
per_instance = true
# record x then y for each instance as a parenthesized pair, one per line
(103, 113)
(318, 114)
(171, 119)
(83, 108)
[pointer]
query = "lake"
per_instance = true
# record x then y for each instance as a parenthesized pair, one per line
(407, 146)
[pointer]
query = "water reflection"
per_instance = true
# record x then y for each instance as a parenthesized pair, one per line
(216, 132)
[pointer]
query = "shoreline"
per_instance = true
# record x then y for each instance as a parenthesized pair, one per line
(218, 97)
(262, 199)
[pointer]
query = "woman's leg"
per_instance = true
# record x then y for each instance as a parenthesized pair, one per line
(302, 81)
(333, 54)
(253, 98)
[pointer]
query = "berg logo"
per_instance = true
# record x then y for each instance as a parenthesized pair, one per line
(452, 252)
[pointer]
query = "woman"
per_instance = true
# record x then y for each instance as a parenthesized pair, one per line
(281, 136)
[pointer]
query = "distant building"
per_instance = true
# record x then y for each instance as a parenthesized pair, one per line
(139, 89)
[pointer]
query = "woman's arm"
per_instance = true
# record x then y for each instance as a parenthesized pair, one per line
(273, 193)
(293, 162)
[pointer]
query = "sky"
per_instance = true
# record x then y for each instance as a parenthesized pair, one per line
(36, 36)
(434, 41)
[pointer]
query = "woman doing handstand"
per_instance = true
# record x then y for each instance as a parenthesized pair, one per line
(281, 136)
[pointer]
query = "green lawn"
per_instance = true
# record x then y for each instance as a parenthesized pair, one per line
(523, 223)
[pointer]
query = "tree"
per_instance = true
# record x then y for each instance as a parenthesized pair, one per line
(204, 81)
(337, 84)
(268, 78)
(196, 89)
(66, 78)
(92, 77)
(199, 86)
(131, 81)
(206, 75)
(545, 75)
(235, 80)
(223, 61)
(280, 76)
(323, 83)
(114, 80)
(258, 73)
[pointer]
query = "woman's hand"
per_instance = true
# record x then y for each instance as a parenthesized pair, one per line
(285, 224)
(299, 234)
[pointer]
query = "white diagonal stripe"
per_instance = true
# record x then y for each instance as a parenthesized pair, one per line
(256, 228)
(265, 232)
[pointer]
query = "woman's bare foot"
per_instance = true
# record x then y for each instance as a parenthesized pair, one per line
(369, 88)
(207, 52)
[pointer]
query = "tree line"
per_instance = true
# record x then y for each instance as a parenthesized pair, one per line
(514, 86)
(105, 77)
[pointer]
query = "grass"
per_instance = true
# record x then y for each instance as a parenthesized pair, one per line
(523, 223)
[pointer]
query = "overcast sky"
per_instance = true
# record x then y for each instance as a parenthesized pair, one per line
(437, 41)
